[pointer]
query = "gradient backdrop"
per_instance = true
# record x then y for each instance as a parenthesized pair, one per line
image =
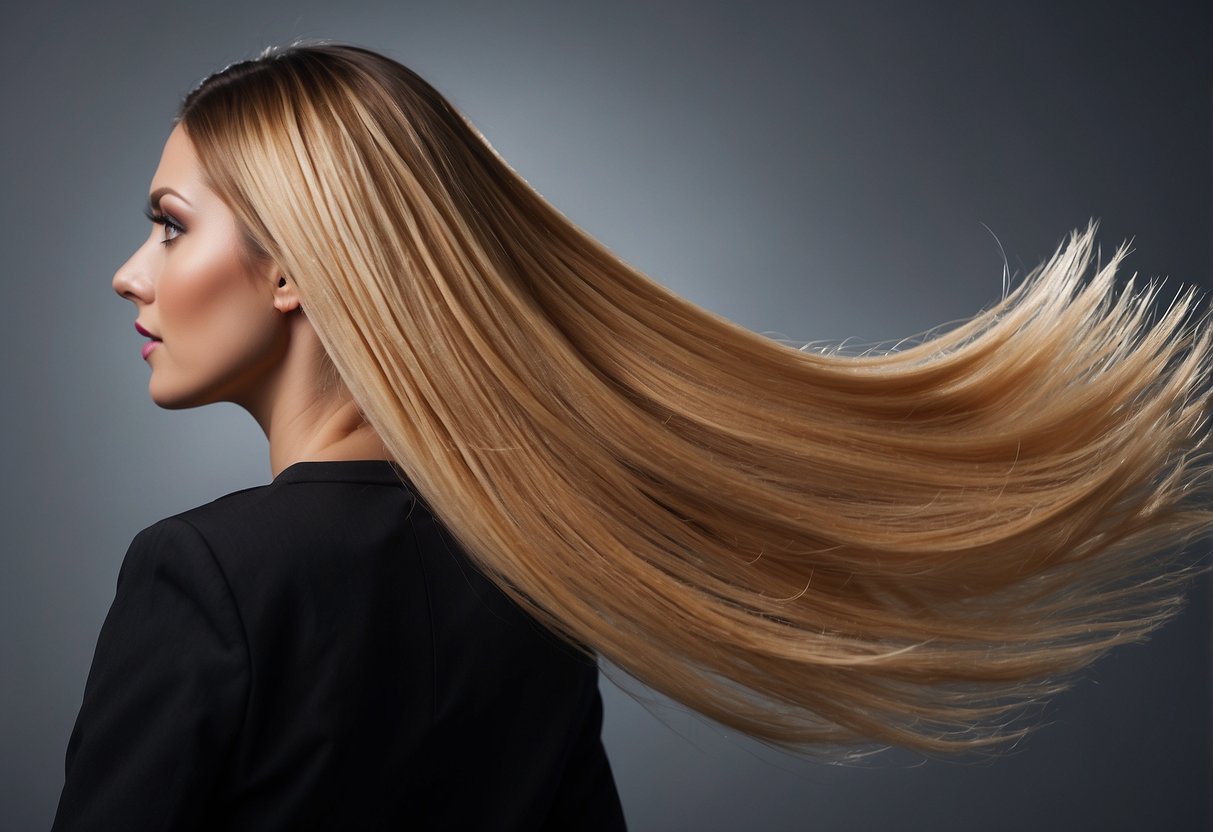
(815, 171)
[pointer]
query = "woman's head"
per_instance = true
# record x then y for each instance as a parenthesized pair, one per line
(348, 174)
(305, 171)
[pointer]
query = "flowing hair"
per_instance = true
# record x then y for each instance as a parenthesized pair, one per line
(816, 549)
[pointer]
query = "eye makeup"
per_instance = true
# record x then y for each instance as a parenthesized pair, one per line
(165, 220)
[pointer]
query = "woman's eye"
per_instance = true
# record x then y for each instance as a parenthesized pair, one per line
(167, 222)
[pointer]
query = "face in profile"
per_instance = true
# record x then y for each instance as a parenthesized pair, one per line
(221, 326)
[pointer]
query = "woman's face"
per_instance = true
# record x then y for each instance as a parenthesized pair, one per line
(221, 332)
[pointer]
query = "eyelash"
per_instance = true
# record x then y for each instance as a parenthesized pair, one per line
(167, 222)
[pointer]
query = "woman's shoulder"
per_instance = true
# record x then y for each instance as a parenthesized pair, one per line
(287, 532)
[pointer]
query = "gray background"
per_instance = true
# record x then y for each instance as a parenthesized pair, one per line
(813, 171)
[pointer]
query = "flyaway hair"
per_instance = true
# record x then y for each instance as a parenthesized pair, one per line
(816, 549)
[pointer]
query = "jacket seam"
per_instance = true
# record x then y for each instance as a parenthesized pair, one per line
(429, 613)
(248, 652)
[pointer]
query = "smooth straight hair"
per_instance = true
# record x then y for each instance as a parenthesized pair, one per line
(821, 550)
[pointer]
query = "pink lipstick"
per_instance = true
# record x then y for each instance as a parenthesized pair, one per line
(147, 348)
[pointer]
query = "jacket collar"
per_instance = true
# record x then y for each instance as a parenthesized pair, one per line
(382, 471)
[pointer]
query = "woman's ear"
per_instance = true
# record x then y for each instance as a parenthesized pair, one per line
(285, 299)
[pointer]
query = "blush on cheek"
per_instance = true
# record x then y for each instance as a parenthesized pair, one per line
(195, 296)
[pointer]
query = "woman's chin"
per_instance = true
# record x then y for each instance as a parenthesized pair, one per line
(168, 399)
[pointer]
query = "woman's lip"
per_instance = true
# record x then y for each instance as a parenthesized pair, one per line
(148, 347)
(143, 331)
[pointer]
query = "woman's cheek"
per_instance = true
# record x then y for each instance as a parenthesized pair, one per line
(192, 295)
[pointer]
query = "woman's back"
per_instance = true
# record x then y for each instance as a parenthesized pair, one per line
(320, 652)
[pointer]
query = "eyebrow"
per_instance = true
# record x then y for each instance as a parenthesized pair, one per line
(154, 199)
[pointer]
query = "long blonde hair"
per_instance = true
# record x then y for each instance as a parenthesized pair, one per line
(814, 548)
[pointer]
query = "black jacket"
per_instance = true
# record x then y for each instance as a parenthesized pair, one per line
(317, 653)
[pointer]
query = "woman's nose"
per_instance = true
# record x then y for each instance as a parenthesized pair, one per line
(132, 280)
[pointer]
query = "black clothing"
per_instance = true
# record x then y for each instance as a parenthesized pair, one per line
(318, 653)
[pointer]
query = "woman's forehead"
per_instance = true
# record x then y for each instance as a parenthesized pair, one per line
(178, 173)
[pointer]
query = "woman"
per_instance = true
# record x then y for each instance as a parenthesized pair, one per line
(816, 549)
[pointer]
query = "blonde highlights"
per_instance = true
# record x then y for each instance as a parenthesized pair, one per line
(814, 548)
